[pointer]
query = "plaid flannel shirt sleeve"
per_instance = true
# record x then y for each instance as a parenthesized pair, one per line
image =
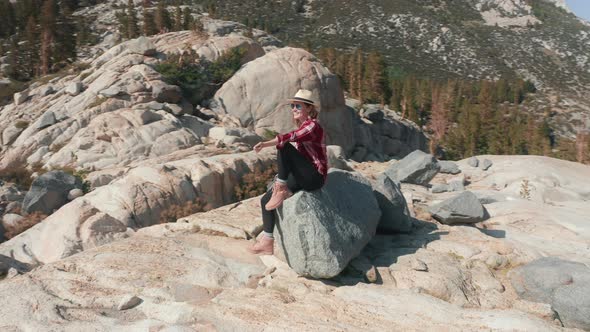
(304, 133)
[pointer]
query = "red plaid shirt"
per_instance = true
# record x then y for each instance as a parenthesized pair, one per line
(309, 141)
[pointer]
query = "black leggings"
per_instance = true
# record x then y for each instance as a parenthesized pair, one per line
(299, 172)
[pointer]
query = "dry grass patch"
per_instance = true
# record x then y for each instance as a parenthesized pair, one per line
(12, 230)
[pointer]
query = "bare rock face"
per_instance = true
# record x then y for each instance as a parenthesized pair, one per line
(257, 94)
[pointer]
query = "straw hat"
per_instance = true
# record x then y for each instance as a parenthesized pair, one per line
(304, 96)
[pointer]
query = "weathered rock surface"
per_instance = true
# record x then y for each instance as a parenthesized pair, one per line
(418, 168)
(463, 208)
(561, 283)
(321, 231)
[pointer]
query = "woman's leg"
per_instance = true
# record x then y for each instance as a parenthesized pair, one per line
(268, 217)
(290, 161)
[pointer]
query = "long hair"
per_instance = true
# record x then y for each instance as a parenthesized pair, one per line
(312, 113)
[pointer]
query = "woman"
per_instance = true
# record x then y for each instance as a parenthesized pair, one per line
(302, 166)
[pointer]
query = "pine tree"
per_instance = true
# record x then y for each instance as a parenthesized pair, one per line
(132, 22)
(7, 19)
(123, 24)
(148, 23)
(373, 86)
(187, 19)
(31, 53)
(48, 20)
(582, 146)
(65, 48)
(439, 120)
(355, 75)
(177, 19)
(162, 19)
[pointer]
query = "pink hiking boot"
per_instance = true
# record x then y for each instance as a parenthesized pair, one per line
(263, 246)
(280, 192)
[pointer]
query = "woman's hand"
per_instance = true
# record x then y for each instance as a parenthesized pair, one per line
(261, 145)
(258, 147)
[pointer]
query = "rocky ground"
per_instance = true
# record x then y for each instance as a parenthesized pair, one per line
(196, 273)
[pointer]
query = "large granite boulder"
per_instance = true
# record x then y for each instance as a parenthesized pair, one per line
(395, 215)
(322, 231)
(463, 208)
(418, 168)
(50, 191)
(257, 94)
(561, 283)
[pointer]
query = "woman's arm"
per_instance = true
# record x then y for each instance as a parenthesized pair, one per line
(259, 146)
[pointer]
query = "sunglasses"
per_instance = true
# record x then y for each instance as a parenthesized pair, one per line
(298, 107)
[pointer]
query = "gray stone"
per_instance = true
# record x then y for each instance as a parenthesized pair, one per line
(561, 283)
(46, 120)
(473, 162)
(21, 97)
(440, 188)
(46, 90)
(129, 302)
(75, 193)
(141, 45)
(73, 89)
(456, 185)
(486, 164)
(449, 167)
(173, 109)
(359, 153)
(110, 92)
(463, 208)
(321, 231)
(49, 192)
(166, 93)
(395, 215)
(373, 114)
(336, 158)
(418, 168)
(10, 134)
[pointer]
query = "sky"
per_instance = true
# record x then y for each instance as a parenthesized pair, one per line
(580, 7)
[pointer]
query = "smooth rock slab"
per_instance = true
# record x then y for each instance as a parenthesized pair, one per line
(418, 168)
(563, 284)
(463, 208)
(322, 231)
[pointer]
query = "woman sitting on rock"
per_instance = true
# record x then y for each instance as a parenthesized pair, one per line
(303, 166)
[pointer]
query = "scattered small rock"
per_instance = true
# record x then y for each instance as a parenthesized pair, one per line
(418, 265)
(110, 92)
(449, 167)
(21, 97)
(439, 188)
(463, 208)
(486, 164)
(473, 162)
(47, 119)
(128, 302)
(75, 193)
(73, 89)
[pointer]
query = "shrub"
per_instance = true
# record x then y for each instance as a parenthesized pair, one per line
(269, 134)
(18, 175)
(177, 211)
(21, 124)
(198, 78)
(24, 224)
(255, 183)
